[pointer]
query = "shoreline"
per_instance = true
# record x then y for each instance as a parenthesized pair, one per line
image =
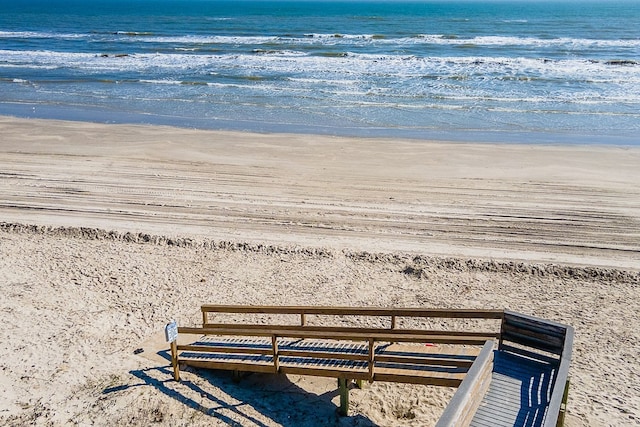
(469, 136)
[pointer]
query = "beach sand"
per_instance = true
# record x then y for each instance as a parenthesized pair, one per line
(109, 231)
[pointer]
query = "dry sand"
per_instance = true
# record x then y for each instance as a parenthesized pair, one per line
(108, 232)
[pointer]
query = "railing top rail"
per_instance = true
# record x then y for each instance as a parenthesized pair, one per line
(548, 324)
(358, 329)
(381, 336)
(463, 399)
(356, 311)
(561, 378)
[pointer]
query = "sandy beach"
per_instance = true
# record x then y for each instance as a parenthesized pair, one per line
(109, 231)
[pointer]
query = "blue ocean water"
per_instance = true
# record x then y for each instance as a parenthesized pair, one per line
(518, 71)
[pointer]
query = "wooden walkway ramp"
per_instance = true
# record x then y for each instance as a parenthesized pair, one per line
(510, 369)
(519, 394)
(442, 365)
(529, 381)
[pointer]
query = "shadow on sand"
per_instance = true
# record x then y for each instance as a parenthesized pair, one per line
(250, 401)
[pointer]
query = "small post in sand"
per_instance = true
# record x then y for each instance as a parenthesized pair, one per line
(171, 334)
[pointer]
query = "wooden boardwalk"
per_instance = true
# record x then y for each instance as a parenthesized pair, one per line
(417, 364)
(510, 369)
(519, 394)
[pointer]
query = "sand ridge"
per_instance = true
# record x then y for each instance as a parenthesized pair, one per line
(570, 204)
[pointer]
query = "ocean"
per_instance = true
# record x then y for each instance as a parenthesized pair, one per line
(519, 71)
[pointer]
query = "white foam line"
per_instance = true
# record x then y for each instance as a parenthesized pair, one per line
(334, 39)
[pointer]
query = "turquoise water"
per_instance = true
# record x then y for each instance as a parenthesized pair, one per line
(516, 71)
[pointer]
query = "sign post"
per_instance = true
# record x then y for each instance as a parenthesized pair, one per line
(171, 334)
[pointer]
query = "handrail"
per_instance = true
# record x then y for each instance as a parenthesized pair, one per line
(355, 311)
(391, 313)
(337, 329)
(558, 392)
(462, 405)
(382, 336)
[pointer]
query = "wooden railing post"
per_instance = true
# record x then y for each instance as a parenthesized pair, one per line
(274, 345)
(171, 335)
(344, 395)
(174, 360)
(393, 323)
(563, 406)
(371, 358)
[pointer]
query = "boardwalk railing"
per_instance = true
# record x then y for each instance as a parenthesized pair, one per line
(391, 314)
(462, 407)
(545, 341)
(291, 340)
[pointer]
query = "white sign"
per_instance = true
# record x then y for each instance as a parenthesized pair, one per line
(171, 331)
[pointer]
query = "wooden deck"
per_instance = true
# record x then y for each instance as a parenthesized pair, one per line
(416, 364)
(519, 394)
(513, 374)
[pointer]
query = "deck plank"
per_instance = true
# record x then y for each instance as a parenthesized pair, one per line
(441, 364)
(519, 393)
